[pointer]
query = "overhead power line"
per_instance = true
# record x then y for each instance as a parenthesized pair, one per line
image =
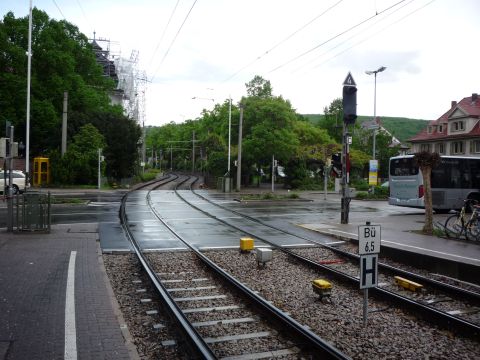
(163, 33)
(378, 32)
(173, 41)
(336, 36)
(282, 41)
(58, 7)
(352, 37)
(84, 14)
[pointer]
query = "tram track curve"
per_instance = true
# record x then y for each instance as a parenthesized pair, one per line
(308, 340)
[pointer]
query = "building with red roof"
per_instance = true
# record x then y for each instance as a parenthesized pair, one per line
(457, 132)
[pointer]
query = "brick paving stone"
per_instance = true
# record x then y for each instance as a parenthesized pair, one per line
(33, 277)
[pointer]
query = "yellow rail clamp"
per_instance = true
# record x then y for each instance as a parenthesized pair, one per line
(408, 284)
(322, 287)
(246, 244)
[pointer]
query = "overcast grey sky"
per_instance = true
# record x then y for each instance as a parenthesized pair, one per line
(304, 47)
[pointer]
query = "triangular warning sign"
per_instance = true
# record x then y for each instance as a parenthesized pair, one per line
(349, 80)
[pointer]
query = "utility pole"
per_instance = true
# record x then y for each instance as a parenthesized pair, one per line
(273, 173)
(29, 77)
(229, 134)
(100, 159)
(193, 152)
(64, 122)
(326, 167)
(9, 155)
(239, 159)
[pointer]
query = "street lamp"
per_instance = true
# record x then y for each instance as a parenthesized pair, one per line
(200, 98)
(375, 72)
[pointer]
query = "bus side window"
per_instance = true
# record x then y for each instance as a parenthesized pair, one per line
(455, 176)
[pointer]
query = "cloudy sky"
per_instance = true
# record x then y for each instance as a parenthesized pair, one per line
(209, 49)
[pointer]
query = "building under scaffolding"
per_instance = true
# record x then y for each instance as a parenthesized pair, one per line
(130, 81)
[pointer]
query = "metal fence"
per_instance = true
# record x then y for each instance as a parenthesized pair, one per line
(33, 212)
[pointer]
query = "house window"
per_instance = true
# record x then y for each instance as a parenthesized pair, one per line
(475, 146)
(441, 148)
(457, 126)
(429, 129)
(457, 147)
(425, 147)
(440, 128)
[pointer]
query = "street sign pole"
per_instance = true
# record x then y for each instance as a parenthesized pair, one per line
(365, 306)
(369, 238)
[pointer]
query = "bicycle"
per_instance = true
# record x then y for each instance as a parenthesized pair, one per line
(461, 223)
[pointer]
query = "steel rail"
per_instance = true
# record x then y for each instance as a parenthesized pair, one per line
(439, 317)
(310, 340)
(451, 289)
(196, 343)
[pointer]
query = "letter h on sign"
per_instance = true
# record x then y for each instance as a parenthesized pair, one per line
(368, 271)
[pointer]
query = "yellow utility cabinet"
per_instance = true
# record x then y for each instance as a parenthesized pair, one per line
(41, 171)
(246, 244)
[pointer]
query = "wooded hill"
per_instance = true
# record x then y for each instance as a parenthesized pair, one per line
(402, 128)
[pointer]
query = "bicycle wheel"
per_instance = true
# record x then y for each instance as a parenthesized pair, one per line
(473, 230)
(454, 226)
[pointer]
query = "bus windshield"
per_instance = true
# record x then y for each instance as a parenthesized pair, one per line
(403, 167)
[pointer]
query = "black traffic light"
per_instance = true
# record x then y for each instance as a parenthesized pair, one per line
(337, 164)
(349, 104)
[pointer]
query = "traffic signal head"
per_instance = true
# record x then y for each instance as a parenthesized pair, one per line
(349, 104)
(337, 164)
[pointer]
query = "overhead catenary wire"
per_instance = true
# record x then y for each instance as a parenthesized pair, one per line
(335, 36)
(60, 10)
(281, 42)
(173, 41)
(163, 33)
(351, 37)
(378, 32)
(84, 14)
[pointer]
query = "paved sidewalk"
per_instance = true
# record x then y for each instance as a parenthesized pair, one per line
(34, 322)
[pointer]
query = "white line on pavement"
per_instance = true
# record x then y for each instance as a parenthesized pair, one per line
(411, 246)
(70, 327)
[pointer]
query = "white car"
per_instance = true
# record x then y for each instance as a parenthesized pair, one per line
(18, 179)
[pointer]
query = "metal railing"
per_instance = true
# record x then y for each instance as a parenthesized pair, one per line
(33, 212)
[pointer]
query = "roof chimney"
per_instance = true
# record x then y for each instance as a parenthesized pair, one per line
(454, 103)
(474, 97)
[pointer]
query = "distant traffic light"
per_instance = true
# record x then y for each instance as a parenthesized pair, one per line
(349, 104)
(337, 164)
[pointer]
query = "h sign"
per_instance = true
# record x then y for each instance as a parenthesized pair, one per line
(368, 271)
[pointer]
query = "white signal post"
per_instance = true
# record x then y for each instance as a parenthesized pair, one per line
(369, 238)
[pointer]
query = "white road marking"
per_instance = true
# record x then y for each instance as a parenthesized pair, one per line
(70, 327)
(411, 246)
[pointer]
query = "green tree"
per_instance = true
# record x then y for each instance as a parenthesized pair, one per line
(121, 143)
(259, 87)
(62, 60)
(79, 165)
(332, 120)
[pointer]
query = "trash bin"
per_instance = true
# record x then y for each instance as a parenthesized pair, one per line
(33, 212)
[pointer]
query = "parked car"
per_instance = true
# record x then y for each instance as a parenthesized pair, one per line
(18, 179)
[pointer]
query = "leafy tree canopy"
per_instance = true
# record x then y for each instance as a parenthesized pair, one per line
(62, 60)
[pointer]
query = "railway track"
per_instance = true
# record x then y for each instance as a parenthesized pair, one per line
(198, 298)
(448, 306)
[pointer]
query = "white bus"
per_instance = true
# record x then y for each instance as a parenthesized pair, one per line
(455, 179)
